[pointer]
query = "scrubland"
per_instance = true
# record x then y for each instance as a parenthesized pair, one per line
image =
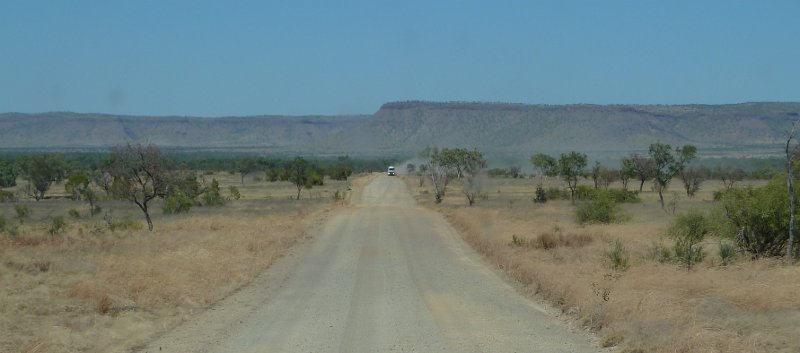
(652, 303)
(106, 284)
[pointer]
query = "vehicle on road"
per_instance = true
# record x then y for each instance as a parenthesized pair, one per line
(391, 171)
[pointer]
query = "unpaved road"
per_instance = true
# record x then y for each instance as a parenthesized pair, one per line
(381, 276)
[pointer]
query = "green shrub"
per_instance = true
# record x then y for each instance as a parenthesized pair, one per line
(74, 213)
(234, 193)
(688, 230)
(23, 213)
(602, 209)
(57, 225)
(123, 224)
(759, 217)
(618, 256)
(2, 223)
(177, 203)
(7, 196)
(659, 252)
(556, 194)
(541, 195)
(726, 252)
(211, 196)
(584, 192)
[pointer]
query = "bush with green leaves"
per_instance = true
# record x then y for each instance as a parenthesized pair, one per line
(7, 196)
(212, 196)
(726, 252)
(541, 195)
(233, 193)
(602, 209)
(556, 194)
(689, 229)
(177, 202)
(74, 213)
(618, 256)
(2, 223)
(760, 217)
(23, 213)
(57, 225)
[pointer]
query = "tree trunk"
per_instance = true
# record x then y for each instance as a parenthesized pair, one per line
(641, 185)
(792, 203)
(149, 221)
(298, 192)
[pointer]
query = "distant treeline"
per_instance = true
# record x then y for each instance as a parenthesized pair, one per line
(14, 165)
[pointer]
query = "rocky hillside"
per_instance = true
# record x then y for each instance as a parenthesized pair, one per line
(406, 127)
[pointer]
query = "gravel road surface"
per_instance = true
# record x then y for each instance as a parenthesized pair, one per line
(382, 275)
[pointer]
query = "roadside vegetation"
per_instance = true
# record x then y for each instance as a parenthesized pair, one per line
(101, 252)
(659, 253)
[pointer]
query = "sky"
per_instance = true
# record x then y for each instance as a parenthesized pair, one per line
(225, 58)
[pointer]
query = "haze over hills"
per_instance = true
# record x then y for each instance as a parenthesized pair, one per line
(403, 128)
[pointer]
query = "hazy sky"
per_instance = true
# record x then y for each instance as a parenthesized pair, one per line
(340, 57)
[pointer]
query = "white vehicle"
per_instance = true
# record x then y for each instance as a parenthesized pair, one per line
(391, 171)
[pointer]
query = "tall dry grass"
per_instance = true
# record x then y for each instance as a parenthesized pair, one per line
(748, 306)
(91, 289)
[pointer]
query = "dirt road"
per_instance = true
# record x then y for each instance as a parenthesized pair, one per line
(382, 276)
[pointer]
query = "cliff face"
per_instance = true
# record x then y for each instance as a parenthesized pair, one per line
(406, 127)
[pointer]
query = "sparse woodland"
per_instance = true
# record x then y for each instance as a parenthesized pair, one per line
(657, 254)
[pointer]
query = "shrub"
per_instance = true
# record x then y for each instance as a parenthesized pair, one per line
(603, 209)
(618, 256)
(541, 195)
(7, 196)
(584, 192)
(2, 223)
(57, 225)
(212, 197)
(760, 217)
(23, 213)
(556, 194)
(659, 253)
(177, 202)
(726, 252)
(688, 230)
(234, 193)
(74, 213)
(123, 224)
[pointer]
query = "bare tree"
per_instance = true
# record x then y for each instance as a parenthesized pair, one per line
(643, 167)
(141, 174)
(437, 170)
(791, 151)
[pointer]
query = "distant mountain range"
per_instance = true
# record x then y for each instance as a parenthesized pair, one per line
(403, 128)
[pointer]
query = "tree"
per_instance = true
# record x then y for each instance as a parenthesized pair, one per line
(692, 178)
(437, 169)
(627, 172)
(729, 175)
(410, 168)
(41, 171)
(791, 153)
(9, 171)
(247, 165)
(342, 169)
(571, 166)
(473, 166)
(643, 167)
(78, 187)
(546, 164)
(141, 174)
(299, 173)
(666, 165)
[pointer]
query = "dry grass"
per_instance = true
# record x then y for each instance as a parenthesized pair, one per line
(91, 289)
(748, 306)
